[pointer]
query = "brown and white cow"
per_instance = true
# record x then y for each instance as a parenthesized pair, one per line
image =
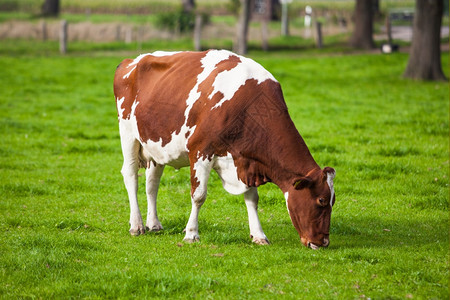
(217, 110)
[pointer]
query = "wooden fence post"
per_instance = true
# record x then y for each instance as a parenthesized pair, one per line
(198, 32)
(63, 37)
(44, 30)
(140, 37)
(128, 35)
(284, 18)
(118, 31)
(265, 34)
(388, 29)
(319, 35)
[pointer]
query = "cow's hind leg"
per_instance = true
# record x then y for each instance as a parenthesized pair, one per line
(256, 233)
(153, 177)
(200, 171)
(130, 150)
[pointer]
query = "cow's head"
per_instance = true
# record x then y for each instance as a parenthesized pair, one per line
(309, 201)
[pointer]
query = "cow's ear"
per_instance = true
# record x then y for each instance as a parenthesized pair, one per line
(328, 171)
(303, 182)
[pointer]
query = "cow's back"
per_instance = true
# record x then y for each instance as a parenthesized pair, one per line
(193, 101)
(158, 86)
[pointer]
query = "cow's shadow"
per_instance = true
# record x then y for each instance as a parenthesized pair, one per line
(372, 232)
(221, 233)
(359, 232)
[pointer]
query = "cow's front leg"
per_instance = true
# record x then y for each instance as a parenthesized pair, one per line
(130, 150)
(153, 177)
(256, 233)
(200, 170)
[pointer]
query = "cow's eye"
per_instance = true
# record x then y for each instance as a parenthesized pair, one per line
(322, 201)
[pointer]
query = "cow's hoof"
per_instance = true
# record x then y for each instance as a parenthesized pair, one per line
(191, 240)
(260, 241)
(137, 231)
(154, 228)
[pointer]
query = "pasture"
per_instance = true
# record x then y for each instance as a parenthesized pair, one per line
(64, 209)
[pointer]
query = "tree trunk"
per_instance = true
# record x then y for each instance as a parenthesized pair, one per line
(242, 31)
(50, 8)
(188, 5)
(425, 57)
(362, 34)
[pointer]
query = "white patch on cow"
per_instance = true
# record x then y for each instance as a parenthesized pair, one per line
(227, 170)
(133, 107)
(164, 53)
(229, 82)
(202, 168)
(129, 125)
(286, 196)
(209, 62)
(175, 152)
(129, 73)
(137, 60)
(120, 110)
(330, 177)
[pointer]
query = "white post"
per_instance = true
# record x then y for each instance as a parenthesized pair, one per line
(308, 12)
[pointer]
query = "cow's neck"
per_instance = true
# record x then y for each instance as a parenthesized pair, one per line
(292, 160)
(281, 159)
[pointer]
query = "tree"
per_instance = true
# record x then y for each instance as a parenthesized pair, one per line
(425, 56)
(242, 30)
(50, 8)
(188, 5)
(362, 35)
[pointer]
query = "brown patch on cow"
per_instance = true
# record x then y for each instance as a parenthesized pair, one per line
(194, 180)
(161, 85)
(228, 64)
(252, 126)
(163, 94)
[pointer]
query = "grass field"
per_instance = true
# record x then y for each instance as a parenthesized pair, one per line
(64, 209)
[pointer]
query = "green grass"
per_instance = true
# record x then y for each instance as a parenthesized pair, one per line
(64, 210)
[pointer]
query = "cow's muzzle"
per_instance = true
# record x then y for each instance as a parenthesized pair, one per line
(314, 246)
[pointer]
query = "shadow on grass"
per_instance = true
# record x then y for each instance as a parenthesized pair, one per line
(360, 232)
(381, 233)
(210, 232)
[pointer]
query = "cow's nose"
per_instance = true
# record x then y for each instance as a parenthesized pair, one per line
(326, 242)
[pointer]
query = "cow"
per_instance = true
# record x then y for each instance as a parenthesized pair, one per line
(216, 110)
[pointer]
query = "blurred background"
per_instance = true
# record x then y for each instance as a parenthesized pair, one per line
(136, 25)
